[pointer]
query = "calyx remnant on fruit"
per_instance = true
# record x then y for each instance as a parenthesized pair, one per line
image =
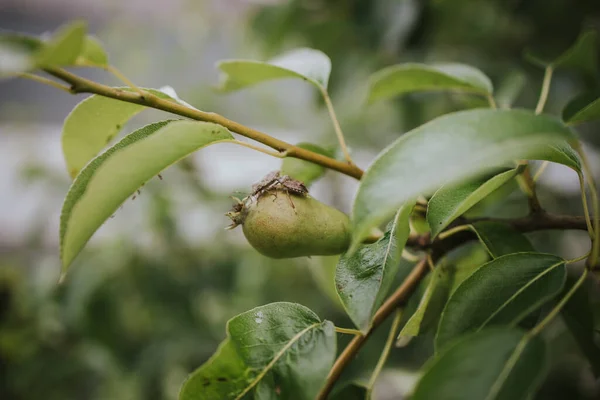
(280, 220)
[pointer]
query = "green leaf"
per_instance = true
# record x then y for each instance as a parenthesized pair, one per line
(451, 149)
(432, 302)
(494, 364)
(579, 318)
(501, 292)
(500, 239)
(223, 376)
(91, 126)
(451, 201)
(288, 341)
(307, 64)
(364, 277)
(281, 350)
(305, 171)
(583, 108)
(582, 55)
(108, 180)
(64, 46)
(407, 78)
(92, 54)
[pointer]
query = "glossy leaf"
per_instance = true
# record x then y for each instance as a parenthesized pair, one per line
(579, 319)
(501, 292)
(92, 125)
(281, 350)
(500, 239)
(305, 171)
(494, 364)
(451, 201)
(64, 46)
(289, 341)
(108, 180)
(307, 64)
(222, 377)
(481, 140)
(407, 78)
(364, 277)
(582, 55)
(583, 108)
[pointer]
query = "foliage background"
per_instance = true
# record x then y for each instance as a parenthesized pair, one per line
(148, 299)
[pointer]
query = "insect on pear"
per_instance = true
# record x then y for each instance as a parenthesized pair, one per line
(274, 180)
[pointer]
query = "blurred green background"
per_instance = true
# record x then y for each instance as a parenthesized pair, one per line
(148, 299)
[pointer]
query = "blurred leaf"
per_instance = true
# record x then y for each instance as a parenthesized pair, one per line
(501, 292)
(500, 239)
(307, 64)
(350, 391)
(221, 377)
(407, 78)
(583, 108)
(289, 341)
(510, 88)
(91, 126)
(364, 277)
(494, 364)
(579, 318)
(450, 149)
(64, 46)
(432, 302)
(109, 179)
(582, 55)
(92, 54)
(305, 171)
(451, 201)
(322, 270)
(17, 53)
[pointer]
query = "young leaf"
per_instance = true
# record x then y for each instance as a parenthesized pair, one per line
(281, 350)
(307, 64)
(92, 54)
(304, 171)
(494, 364)
(221, 377)
(63, 47)
(579, 318)
(17, 53)
(288, 341)
(364, 277)
(582, 55)
(451, 201)
(407, 78)
(501, 292)
(500, 239)
(453, 148)
(431, 303)
(108, 180)
(583, 108)
(92, 124)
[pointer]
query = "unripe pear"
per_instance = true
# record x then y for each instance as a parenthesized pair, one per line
(283, 225)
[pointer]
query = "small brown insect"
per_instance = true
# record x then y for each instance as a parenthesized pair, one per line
(274, 181)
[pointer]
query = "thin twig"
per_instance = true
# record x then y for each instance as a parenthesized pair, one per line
(45, 81)
(82, 85)
(492, 101)
(540, 171)
(277, 154)
(384, 354)
(593, 259)
(399, 297)
(545, 90)
(120, 76)
(348, 331)
(336, 124)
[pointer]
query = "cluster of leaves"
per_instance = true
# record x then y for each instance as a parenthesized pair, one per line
(285, 349)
